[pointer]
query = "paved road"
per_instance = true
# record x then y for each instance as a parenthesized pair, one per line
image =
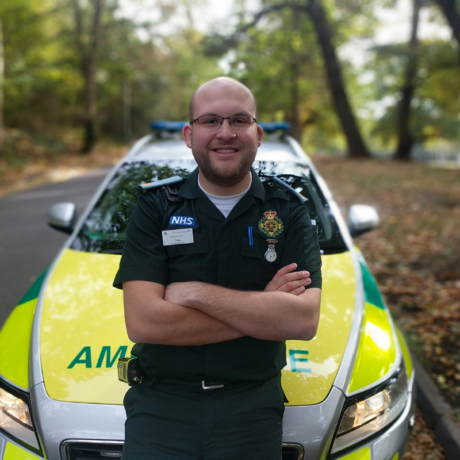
(27, 244)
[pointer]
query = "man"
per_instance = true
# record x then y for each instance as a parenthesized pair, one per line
(210, 315)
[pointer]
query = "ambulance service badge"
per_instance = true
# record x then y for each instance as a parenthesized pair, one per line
(271, 225)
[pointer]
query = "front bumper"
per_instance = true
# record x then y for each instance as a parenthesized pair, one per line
(308, 431)
(313, 428)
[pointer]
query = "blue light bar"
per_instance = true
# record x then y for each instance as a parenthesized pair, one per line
(176, 126)
(169, 126)
(270, 128)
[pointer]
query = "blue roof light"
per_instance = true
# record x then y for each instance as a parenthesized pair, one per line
(169, 126)
(270, 128)
(176, 126)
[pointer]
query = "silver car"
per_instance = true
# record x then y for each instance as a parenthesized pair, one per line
(350, 389)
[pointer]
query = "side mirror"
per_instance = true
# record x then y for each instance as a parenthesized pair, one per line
(361, 219)
(62, 217)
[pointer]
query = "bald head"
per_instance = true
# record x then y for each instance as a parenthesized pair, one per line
(222, 86)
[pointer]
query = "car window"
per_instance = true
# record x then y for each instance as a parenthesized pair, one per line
(104, 229)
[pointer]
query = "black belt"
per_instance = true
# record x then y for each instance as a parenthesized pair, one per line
(205, 385)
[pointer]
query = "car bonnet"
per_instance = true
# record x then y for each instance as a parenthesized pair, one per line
(83, 333)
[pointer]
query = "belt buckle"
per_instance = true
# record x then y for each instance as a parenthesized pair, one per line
(210, 387)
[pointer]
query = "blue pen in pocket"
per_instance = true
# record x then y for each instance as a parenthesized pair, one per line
(251, 239)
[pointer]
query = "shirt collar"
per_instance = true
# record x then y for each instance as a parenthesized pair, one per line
(190, 189)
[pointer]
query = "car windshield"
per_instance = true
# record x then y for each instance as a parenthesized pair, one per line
(105, 226)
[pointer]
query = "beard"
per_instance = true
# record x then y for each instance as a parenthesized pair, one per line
(224, 176)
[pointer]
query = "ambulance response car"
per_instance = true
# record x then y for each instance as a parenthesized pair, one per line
(350, 389)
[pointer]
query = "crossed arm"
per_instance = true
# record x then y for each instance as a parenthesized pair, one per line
(195, 313)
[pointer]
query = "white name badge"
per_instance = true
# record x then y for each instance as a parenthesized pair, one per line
(182, 236)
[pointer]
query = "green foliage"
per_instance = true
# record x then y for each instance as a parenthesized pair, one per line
(280, 61)
(436, 102)
(142, 77)
(37, 77)
(279, 58)
(148, 79)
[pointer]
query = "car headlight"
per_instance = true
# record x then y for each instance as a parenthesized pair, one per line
(365, 417)
(15, 418)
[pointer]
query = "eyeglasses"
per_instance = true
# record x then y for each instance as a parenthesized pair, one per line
(237, 122)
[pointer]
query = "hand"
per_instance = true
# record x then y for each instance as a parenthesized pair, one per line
(287, 280)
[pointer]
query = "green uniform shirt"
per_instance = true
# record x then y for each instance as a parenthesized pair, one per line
(220, 254)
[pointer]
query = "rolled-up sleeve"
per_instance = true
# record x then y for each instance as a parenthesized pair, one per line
(301, 244)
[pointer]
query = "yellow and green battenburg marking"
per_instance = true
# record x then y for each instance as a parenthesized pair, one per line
(312, 365)
(82, 330)
(363, 454)
(15, 337)
(377, 349)
(360, 454)
(14, 452)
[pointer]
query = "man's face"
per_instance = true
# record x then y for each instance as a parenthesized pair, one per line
(224, 155)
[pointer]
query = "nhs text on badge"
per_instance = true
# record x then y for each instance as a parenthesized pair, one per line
(182, 220)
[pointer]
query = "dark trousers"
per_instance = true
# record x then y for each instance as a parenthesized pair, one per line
(177, 422)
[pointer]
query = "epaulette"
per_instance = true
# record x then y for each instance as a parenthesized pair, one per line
(160, 183)
(288, 187)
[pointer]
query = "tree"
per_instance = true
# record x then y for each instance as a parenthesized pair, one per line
(283, 68)
(452, 16)
(405, 137)
(332, 67)
(435, 105)
(38, 81)
(356, 145)
(60, 52)
(88, 45)
(158, 73)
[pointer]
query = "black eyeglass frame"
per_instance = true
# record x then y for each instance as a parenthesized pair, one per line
(225, 118)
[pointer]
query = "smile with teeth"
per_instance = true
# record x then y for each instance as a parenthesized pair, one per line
(225, 150)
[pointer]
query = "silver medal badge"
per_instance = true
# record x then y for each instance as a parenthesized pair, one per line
(270, 254)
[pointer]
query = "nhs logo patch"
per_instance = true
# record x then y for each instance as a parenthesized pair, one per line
(182, 220)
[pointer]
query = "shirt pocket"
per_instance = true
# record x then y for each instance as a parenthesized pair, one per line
(255, 267)
(187, 261)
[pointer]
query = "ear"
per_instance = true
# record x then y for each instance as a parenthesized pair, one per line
(260, 134)
(187, 133)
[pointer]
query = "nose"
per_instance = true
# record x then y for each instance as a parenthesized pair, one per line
(226, 131)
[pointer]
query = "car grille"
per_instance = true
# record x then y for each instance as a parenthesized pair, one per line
(293, 452)
(92, 450)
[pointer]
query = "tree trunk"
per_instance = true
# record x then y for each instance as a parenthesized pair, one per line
(405, 137)
(293, 116)
(127, 108)
(89, 56)
(452, 17)
(356, 146)
(2, 77)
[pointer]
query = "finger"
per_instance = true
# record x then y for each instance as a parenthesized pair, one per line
(277, 280)
(283, 271)
(290, 278)
(298, 290)
(294, 276)
(288, 287)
